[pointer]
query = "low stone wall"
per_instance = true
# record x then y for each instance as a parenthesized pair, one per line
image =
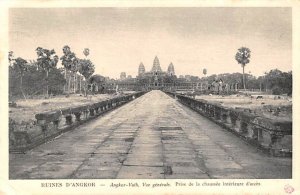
(48, 125)
(275, 137)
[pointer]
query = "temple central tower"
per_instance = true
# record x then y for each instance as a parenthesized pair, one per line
(156, 66)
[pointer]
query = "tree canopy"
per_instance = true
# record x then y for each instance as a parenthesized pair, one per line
(204, 71)
(86, 68)
(243, 56)
(20, 65)
(46, 58)
(69, 60)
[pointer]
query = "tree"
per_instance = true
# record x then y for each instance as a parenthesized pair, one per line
(280, 82)
(74, 70)
(19, 66)
(204, 71)
(86, 52)
(99, 81)
(86, 68)
(10, 57)
(34, 82)
(70, 63)
(243, 57)
(46, 60)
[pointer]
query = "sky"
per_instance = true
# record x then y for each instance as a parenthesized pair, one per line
(191, 38)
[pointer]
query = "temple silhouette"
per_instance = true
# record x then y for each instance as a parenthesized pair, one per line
(156, 77)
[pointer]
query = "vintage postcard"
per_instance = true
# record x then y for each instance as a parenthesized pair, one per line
(170, 97)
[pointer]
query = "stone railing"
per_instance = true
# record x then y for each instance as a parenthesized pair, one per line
(50, 124)
(272, 136)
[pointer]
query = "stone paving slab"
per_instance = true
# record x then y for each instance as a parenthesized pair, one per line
(138, 162)
(94, 174)
(141, 172)
(152, 137)
(186, 175)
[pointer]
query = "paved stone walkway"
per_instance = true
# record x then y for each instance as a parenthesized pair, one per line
(151, 137)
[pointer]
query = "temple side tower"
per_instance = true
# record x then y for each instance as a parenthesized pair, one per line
(142, 69)
(171, 70)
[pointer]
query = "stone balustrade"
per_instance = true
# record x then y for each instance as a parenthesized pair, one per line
(273, 136)
(52, 123)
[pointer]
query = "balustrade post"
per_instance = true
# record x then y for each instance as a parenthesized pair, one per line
(212, 111)
(92, 112)
(56, 123)
(217, 113)
(244, 127)
(44, 126)
(238, 125)
(68, 119)
(252, 132)
(225, 116)
(77, 115)
(233, 118)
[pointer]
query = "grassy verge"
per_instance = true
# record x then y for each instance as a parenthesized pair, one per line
(25, 110)
(267, 106)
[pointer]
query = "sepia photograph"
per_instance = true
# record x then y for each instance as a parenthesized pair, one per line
(150, 93)
(150, 97)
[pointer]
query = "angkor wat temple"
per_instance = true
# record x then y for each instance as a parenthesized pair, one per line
(156, 77)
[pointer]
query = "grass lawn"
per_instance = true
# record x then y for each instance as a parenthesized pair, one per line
(261, 106)
(26, 109)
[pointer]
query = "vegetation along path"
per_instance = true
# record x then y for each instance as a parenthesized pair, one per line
(153, 136)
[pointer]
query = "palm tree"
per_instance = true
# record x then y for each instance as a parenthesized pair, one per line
(243, 57)
(204, 71)
(70, 62)
(86, 52)
(46, 60)
(65, 61)
(86, 68)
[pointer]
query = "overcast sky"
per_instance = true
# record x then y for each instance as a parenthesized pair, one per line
(192, 38)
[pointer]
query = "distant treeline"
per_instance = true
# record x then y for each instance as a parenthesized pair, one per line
(276, 81)
(34, 81)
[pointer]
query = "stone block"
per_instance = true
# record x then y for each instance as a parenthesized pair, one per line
(48, 116)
